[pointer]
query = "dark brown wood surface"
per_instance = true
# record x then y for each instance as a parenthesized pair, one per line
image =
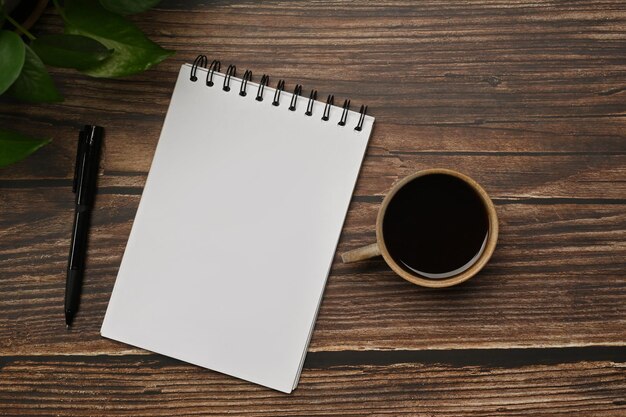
(528, 98)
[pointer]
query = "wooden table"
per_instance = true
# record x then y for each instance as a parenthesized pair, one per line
(527, 98)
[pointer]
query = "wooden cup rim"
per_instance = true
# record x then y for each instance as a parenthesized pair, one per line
(468, 273)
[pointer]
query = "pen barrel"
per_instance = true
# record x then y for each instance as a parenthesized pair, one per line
(78, 246)
(72, 291)
(76, 264)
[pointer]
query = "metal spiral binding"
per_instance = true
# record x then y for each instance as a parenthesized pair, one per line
(329, 102)
(247, 76)
(309, 105)
(344, 114)
(215, 66)
(230, 72)
(265, 79)
(202, 61)
(279, 89)
(294, 98)
(359, 126)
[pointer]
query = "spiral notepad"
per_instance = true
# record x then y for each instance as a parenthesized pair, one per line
(237, 226)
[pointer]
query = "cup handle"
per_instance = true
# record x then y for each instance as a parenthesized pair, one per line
(361, 254)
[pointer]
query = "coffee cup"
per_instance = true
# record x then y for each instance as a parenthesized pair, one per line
(435, 228)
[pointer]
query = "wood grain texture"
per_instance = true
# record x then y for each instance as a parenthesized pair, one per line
(157, 386)
(528, 98)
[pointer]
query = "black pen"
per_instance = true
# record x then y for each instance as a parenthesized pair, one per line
(84, 185)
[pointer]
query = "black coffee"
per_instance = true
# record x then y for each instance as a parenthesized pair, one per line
(435, 226)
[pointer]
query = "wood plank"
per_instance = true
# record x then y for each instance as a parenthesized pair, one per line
(504, 175)
(556, 279)
(155, 386)
(580, 166)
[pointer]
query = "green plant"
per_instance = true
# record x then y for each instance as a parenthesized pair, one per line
(97, 40)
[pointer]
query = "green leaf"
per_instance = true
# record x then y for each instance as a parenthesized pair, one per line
(128, 6)
(70, 51)
(14, 146)
(11, 58)
(34, 83)
(133, 52)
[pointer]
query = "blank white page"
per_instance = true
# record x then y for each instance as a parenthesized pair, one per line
(236, 231)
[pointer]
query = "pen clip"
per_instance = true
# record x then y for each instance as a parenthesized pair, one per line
(80, 151)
